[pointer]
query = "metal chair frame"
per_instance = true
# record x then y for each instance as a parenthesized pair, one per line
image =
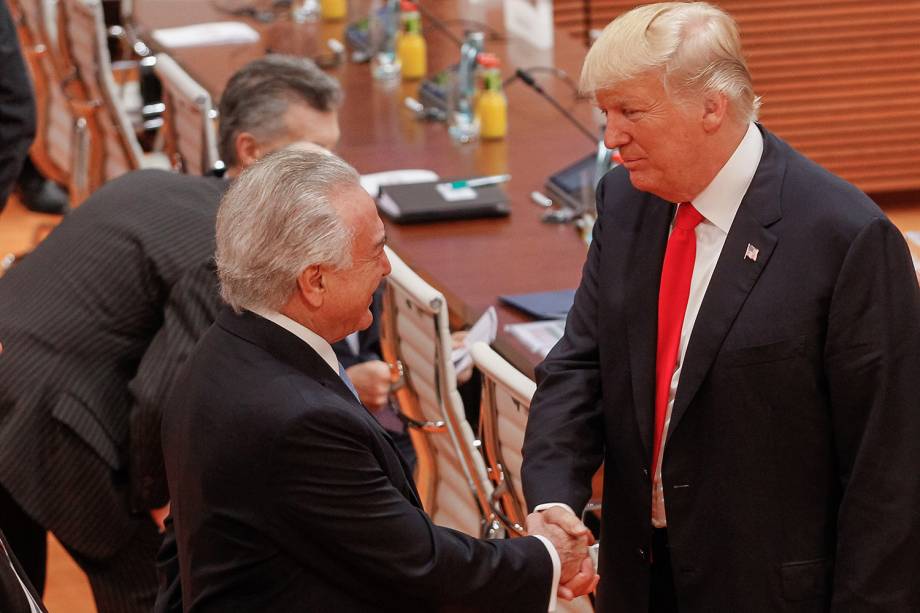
(104, 132)
(53, 83)
(429, 402)
(189, 134)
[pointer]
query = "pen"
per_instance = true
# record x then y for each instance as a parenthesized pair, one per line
(479, 182)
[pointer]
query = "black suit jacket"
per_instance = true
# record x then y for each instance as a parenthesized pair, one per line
(287, 495)
(791, 464)
(94, 324)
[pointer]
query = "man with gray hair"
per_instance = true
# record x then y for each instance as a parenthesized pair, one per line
(742, 354)
(96, 323)
(287, 495)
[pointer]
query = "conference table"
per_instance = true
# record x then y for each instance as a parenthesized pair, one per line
(472, 262)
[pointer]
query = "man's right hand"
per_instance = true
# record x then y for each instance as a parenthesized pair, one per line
(571, 538)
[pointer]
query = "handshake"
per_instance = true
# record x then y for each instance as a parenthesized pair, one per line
(571, 539)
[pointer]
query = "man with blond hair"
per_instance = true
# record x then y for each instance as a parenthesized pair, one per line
(742, 354)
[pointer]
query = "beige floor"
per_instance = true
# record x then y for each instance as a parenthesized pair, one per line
(67, 590)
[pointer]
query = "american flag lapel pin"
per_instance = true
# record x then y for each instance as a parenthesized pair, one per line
(751, 253)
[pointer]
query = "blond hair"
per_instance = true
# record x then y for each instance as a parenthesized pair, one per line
(695, 47)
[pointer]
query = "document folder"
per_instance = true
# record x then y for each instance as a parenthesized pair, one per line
(418, 202)
(543, 305)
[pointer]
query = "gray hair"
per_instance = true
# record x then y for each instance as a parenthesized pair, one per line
(278, 219)
(695, 46)
(257, 97)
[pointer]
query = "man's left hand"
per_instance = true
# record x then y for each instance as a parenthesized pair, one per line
(372, 382)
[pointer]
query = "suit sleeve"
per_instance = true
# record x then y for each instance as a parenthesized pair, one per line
(192, 306)
(17, 107)
(872, 362)
(330, 478)
(564, 440)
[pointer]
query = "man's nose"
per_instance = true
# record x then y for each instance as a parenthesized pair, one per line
(614, 134)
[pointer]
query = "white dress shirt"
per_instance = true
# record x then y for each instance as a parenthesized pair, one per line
(325, 351)
(717, 203)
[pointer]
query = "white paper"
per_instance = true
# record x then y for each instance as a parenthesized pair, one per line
(372, 182)
(485, 330)
(388, 205)
(455, 194)
(204, 34)
(538, 336)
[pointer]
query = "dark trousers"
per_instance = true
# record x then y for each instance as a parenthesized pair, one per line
(27, 539)
(663, 598)
(123, 583)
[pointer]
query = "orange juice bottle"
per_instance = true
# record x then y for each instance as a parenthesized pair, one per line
(411, 48)
(333, 10)
(492, 106)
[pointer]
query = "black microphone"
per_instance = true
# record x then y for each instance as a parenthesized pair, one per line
(528, 79)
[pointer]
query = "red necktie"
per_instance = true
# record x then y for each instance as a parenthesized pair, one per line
(673, 295)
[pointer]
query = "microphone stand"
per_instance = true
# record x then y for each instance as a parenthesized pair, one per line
(528, 79)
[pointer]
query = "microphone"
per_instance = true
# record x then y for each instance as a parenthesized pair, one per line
(528, 79)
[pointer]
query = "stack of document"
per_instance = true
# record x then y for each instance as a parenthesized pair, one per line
(485, 329)
(538, 336)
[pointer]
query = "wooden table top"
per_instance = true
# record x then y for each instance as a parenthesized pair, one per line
(471, 262)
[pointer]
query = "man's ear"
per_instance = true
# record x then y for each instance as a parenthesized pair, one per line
(715, 111)
(248, 149)
(311, 283)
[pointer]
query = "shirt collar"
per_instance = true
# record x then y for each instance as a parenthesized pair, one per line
(720, 200)
(314, 340)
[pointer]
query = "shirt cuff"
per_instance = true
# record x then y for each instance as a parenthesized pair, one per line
(547, 505)
(557, 570)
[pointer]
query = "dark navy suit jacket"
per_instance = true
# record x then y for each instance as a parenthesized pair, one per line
(287, 495)
(791, 463)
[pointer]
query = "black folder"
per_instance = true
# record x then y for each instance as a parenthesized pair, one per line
(418, 202)
(543, 305)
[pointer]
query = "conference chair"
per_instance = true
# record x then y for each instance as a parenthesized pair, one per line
(107, 140)
(506, 395)
(415, 340)
(53, 151)
(189, 137)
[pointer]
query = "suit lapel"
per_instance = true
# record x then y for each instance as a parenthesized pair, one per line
(291, 350)
(651, 237)
(734, 275)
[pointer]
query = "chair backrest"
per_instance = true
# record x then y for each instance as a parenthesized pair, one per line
(190, 138)
(52, 150)
(505, 406)
(506, 395)
(114, 148)
(451, 474)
